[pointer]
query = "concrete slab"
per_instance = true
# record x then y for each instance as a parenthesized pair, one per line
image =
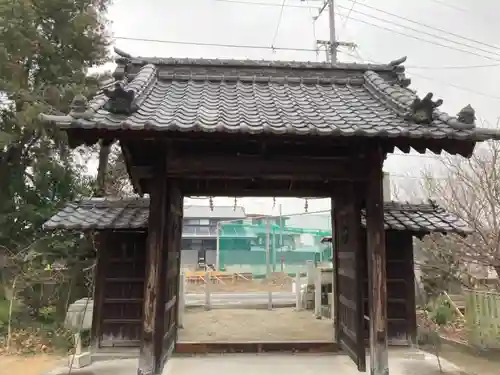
(109, 367)
(401, 362)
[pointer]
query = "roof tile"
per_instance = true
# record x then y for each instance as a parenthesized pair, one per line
(99, 213)
(364, 104)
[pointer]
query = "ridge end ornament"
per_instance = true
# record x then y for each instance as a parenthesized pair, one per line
(421, 110)
(79, 107)
(467, 115)
(121, 101)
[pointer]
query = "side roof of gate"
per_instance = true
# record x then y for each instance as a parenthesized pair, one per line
(130, 214)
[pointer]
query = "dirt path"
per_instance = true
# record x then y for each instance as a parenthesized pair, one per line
(224, 325)
(471, 363)
(27, 365)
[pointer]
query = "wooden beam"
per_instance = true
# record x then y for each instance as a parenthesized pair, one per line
(213, 167)
(258, 187)
(91, 136)
(154, 291)
(377, 266)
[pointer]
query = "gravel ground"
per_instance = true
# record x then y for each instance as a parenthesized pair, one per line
(471, 363)
(27, 365)
(237, 325)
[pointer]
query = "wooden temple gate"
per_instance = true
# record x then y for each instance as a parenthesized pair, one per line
(236, 128)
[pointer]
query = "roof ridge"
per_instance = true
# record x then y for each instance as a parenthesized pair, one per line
(358, 81)
(125, 58)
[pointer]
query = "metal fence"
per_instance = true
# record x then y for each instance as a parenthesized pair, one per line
(483, 319)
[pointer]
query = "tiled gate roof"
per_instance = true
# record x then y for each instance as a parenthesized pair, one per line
(238, 96)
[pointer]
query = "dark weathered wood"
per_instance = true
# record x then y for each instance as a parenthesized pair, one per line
(258, 187)
(411, 307)
(127, 158)
(173, 240)
(399, 273)
(154, 292)
(255, 347)
(375, 234)
(121, 317)
(241, 167)
(348, 273)
(178, 247)
(100, 274)
(78, 137)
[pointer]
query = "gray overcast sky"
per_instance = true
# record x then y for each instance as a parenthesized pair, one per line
(224, 22)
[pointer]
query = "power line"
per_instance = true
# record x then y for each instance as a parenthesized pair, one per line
(452, 67)
(451, 6)
(401, 33)
(425, 33)
(490, 96)
(463, 10)
(279, 23)
(355, 2)
(421, 24)
(266, 4)
(422, 39)
(213, 44)
(456, 86)
(313, 23)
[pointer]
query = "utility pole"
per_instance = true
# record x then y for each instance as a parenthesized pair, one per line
(333, 43)
(333, 36)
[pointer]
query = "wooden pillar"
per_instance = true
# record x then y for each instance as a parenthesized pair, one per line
(411, 306)
(101, 238)
(154, 291)
(377, 278)
(180, 288)
(172, 243)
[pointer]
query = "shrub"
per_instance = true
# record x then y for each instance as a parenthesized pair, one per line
(442, 313)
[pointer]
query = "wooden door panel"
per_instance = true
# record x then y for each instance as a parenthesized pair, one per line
(123, 290)
(348, 275)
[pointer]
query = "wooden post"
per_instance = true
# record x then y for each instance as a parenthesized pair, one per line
(332, 302)
(100, 275)
(78, 343)
(310, 272)
(377, 277)
(154, 290)
(208, 304)
(298, 291)
(182, 300)
(317, 293)
(268, 263)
